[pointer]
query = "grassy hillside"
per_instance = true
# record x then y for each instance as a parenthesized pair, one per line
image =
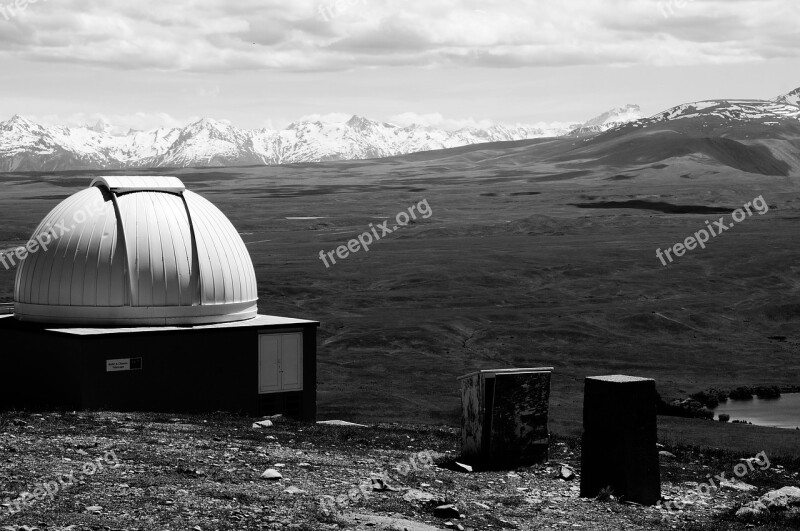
(515, 267)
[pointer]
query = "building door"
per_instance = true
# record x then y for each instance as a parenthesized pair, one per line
(280, 363)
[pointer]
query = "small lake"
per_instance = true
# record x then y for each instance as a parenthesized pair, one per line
(783, 412)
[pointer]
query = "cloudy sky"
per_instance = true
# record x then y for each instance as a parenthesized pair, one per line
(265, 63)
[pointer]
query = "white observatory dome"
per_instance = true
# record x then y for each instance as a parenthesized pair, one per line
(135, 251)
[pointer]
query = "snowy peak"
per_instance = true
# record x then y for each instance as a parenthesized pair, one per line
(361, 124)
(18, 123)
(209, 125)
(732, 111)
(793, 98)
(100, 127)
(609, 120)
(629, 113)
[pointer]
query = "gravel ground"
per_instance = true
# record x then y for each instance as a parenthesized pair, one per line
(114, 471)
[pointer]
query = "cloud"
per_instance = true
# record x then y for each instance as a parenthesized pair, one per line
(332, 117)
(438, 121)
(120, 123)
(324, 35)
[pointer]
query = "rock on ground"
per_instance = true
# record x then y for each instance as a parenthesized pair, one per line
(341, 423)
(419, 496)
(271, 473)
(752, 512)
(781, 498)
(387, 523)
(735, 484)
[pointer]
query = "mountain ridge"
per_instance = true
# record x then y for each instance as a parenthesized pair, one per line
(28, 146)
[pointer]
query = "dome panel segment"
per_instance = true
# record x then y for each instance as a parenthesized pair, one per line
(159, 243)
(226, 269)
(78, 261)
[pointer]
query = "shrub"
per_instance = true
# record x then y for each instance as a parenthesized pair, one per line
(711, 397)
(687, 408)
(724, 417)
(706, 398)
(768, 391)
(742, 393)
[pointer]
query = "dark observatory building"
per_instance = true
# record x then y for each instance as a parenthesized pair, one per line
(137, 294)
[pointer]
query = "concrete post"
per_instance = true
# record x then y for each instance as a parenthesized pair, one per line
(619, 438)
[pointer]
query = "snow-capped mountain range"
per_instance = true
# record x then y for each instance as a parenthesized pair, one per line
(748, 120)
(27, 146)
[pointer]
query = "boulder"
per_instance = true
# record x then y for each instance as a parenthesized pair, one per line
(566, 473)
(462, 467)
(271, 473)
(341, 423)
(379, 485)
(752, 512)
(781, 499)
(735, 484)
(419, 496)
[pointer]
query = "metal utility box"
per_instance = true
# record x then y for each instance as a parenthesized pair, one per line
(504, 417)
